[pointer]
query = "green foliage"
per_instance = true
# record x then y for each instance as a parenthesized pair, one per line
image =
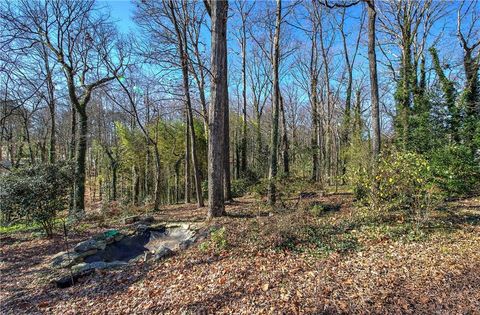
(455, 170)
(218, 239)
(404, 183)
(318, 239)
(35, 194)
(239, 187)
(217, 242)
(260, 189)
(317, 210)
(361, 180)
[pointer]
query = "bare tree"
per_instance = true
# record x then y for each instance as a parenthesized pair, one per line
(181, 31)
(372, 59)
(276, 106)
(66, 29)
(218, 105)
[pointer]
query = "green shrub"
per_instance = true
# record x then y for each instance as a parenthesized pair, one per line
(361, 181)
(260, 189)
(404, 183)
(35, 194)
(455, 170)
(219, 239)
(317, 210)
(239, 187)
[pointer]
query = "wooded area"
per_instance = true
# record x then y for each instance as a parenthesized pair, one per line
(274, 139)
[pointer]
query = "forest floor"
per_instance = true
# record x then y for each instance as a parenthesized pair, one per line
(321, 255)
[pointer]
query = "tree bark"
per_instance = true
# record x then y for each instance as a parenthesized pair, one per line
(216, 149)
(187, 160)
(244, 96)
(285, 153)
(182, 49)
(79, 200)
(372, 60)
(158, 179)
(276, 106)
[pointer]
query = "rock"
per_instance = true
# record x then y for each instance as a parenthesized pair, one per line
(90, 244)
(109, 236)
(131, 219)
(307, 194)
(79, 267)
(115, 264)
(64, 259)
(70, 279)
(141, 228)
(82, 267)
(163, 252)
(186, 243)
(147, 219)
(97, 265)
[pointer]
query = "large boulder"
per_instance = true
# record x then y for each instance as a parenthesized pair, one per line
(65, 260)
(82, 267)
(163, 252)
(109, 236)
(90, 244)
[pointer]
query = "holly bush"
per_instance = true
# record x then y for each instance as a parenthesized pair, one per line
(35, 194)
(404, 182)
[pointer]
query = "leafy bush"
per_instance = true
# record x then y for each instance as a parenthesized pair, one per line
(260, 189)
(361, 181)
(35, 194)
(218, 240)
(404, 183)
(455, 170)
(243, 185)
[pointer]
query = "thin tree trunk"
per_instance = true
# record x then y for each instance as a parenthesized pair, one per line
(158, 179)
(372, 59)
(182, 47)
(187, 161)
(244, 97)
(285, 154)
(276, 104)
(226, 160)
(79, 200)
(51, 108)
(71, 156)
(315, 145)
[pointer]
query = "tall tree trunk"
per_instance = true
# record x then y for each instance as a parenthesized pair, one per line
(285, 155)
(372, 60)
(135, 186)
(177, 180)
(244, 97)
(79, 201)
(187, 160)
(226, 131)
(71, 156)
(276, 106)
(226, 159)
(315, 145)
(329, 128)
(51, 107)
(218, 11)
(114, 168)
(182, 47)
(196, 168)
(158, 179)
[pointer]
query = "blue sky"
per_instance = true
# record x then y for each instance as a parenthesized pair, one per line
(121, 11)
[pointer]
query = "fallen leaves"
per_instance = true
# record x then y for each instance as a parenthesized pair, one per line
(440, 275)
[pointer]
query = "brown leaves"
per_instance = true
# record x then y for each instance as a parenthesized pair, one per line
(433, 276)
